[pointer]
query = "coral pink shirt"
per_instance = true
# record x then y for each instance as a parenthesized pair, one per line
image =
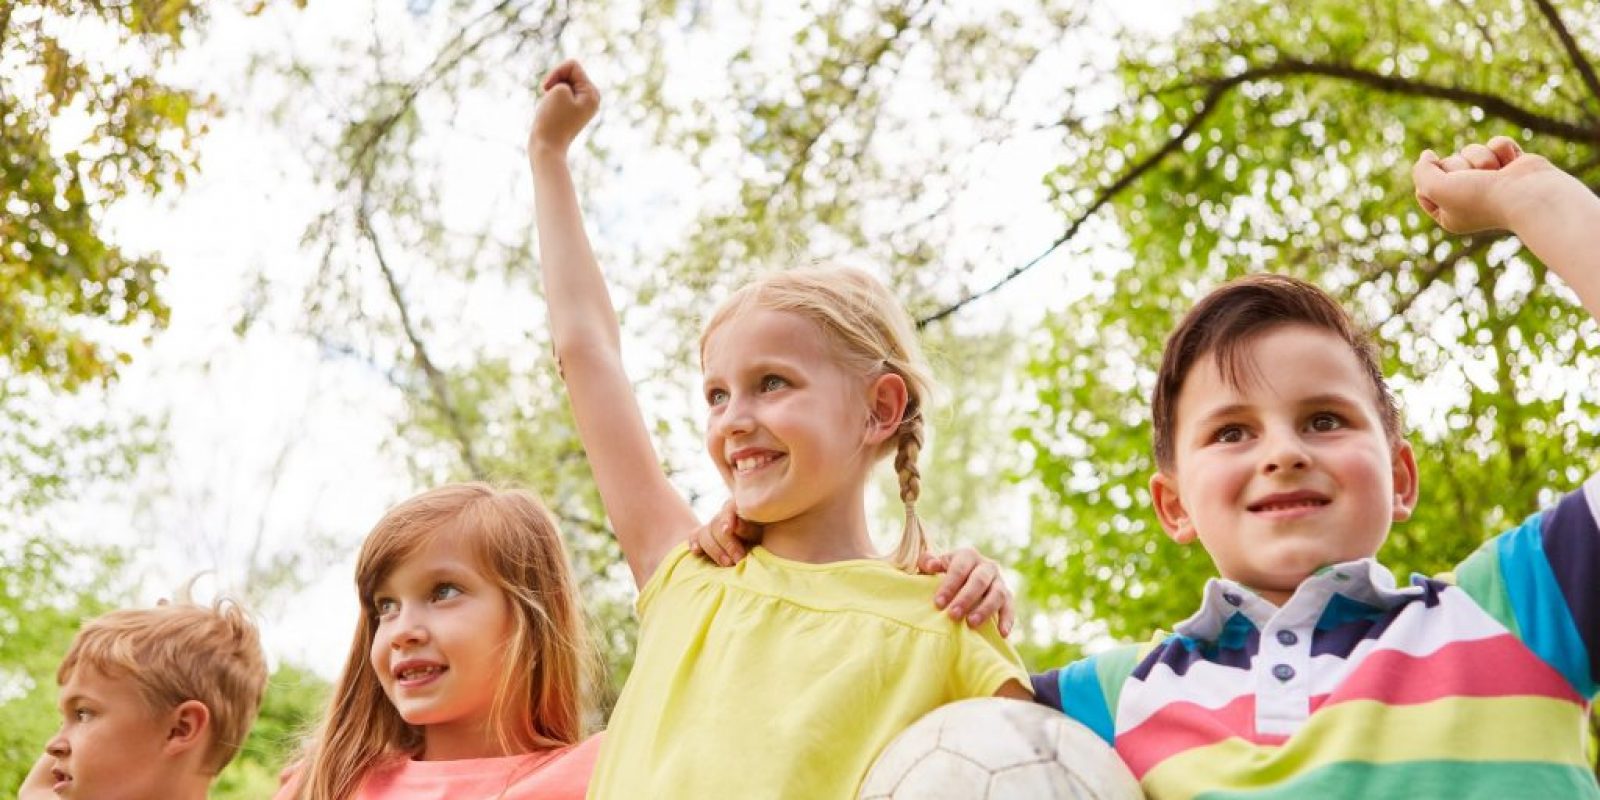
(557, 775)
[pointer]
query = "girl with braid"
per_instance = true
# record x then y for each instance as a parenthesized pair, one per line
(785, 674)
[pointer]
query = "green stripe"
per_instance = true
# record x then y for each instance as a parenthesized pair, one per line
(1479, 576)
(1112, 668)
(1457, 780)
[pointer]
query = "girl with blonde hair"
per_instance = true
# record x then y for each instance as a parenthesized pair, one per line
(468, 672)
(783, 675)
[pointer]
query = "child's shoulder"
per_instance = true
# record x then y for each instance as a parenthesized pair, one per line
(861, 589)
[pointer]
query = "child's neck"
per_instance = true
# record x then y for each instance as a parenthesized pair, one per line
(458, 741)
(827, 532)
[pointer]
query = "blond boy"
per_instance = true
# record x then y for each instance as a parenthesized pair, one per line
(154, 703)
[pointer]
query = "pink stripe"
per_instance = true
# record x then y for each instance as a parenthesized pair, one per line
(1499, 666)
(1180, 726)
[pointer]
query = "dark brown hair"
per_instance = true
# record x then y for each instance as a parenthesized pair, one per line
(1229, 318)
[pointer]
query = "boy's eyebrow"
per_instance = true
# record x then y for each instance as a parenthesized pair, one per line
(1330, 398)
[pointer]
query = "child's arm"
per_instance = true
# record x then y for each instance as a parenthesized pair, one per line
(39, 783)
(648, 515)
(973, 585)
(1499, 187)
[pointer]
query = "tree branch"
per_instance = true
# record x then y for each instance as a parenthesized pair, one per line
(1579, 61)
(1431, 273)
(436, 382)
(869, 66)
(1207, 106)
(1492, 105)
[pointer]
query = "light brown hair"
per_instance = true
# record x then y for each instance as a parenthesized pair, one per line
(871, 334)
(177, 652)
(541, 699)
(1224, 323)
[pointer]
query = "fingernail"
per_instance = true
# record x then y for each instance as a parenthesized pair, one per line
(940, 600)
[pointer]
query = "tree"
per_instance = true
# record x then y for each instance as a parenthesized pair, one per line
(802, 153)
(1271, 138)
(86, 121)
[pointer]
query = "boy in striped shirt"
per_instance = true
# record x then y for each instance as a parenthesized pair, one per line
(1307, 672)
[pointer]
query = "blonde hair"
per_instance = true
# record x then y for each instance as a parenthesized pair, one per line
(177, 652)
(872, 334)
(540, 701)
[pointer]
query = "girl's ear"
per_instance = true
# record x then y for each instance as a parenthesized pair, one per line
(1169, 508)
(886, 406)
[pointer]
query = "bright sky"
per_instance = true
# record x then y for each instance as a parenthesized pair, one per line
(275, 441)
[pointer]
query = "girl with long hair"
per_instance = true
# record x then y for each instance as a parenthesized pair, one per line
(785, 674)
(469, 669)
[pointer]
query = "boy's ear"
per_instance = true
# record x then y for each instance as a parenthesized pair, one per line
(1169, 508)
(1406, 480)
(886, 406)
(189, 727)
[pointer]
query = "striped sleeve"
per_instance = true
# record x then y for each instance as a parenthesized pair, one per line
(1542, 581)
(1088, 689)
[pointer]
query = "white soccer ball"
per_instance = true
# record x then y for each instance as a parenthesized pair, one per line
(992, 748)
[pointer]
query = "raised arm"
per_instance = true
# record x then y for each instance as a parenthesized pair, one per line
(647, 513)
(1496, 186)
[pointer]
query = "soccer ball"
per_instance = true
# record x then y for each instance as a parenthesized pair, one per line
(992, 748)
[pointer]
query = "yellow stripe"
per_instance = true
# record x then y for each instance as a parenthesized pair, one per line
(1538, 729)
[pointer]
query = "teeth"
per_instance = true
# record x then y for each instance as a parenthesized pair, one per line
(418, 672)
(753, 462)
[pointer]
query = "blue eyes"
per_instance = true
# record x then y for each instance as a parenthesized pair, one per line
(768, 383)
(385, 607)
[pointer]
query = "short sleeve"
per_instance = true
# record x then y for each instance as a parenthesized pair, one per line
(1087, 690)
(984, 661)
(663, 575)
(1541, 580)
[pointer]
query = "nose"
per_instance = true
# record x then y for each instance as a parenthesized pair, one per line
(407, 629)
(58, 747)
(1285, 451)
(735, 419)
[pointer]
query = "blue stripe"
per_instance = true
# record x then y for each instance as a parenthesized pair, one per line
(1572, 545)
(1547, 626)
(1082, 699)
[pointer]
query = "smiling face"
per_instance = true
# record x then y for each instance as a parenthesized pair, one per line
(111, 745)
(437, 650)
(1287, 470)
(787, 426)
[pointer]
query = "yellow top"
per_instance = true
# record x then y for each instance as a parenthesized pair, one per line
(778, 678)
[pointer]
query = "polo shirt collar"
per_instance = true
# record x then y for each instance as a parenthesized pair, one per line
(1365, 582)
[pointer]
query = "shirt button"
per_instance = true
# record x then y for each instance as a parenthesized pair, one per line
(1233, 599)
(1287, 638)
(1283, 672)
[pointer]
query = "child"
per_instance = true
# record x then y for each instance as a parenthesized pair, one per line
(1307, 672)
(810, 654)
(154, 703)
(466, 676)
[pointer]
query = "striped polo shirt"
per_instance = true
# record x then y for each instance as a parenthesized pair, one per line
(1471, 685)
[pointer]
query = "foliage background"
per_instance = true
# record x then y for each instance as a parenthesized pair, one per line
(1048, 184)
